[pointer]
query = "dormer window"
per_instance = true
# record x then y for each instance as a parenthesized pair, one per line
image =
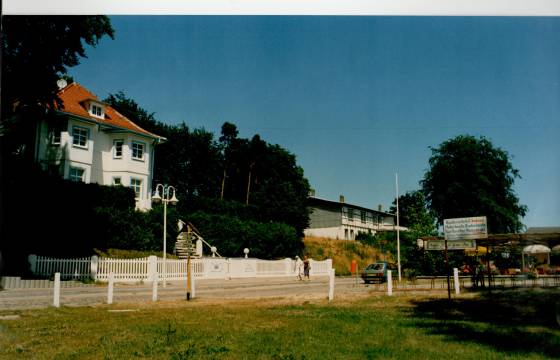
(96, 109)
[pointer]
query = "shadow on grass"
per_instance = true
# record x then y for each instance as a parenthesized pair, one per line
(517, 321)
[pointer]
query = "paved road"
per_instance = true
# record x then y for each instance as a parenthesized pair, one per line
(254, 288)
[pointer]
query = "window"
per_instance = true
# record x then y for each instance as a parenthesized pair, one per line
(96, 110)
(363, 216)
(117, 181)
(136, 185)
(76, 174)
(137, 150)
(350, 214)
(54, 133)
(117, 149)
(80, 136)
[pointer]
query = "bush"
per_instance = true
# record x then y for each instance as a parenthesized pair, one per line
(129, 254)
(231, 235)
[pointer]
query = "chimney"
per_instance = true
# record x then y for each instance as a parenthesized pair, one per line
(380, 207)
(341, 199)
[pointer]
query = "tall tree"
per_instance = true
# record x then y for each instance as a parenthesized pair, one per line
(468, 176)
(188, 160)
(38, 50)
(414, 213)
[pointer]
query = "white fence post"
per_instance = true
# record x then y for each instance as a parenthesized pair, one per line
(228, 273)
(110, 288)
(389, 283)
(456, 281)
(331, 284)
(154, 287)
(94, 265)
(289, 267)
(32, 263)
(56, 301)
(193, 286)
(152, 268)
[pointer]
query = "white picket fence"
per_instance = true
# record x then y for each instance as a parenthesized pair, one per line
(130, 270)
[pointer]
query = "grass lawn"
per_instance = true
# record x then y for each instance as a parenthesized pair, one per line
(506, 325)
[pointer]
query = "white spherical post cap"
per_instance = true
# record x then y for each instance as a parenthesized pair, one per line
(246, 251)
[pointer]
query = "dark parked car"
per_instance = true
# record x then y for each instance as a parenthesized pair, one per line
(376, 272)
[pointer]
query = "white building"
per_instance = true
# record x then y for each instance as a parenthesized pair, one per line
(87, 140)
(343, 221)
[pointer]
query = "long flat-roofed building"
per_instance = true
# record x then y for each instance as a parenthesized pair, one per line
(343, 221)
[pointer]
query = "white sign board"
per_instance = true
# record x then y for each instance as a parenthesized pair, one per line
(451, 245)
(465, 228)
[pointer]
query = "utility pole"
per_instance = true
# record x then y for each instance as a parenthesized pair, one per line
(189, 245)
(249, 183)
(398, 235)
(223, 185)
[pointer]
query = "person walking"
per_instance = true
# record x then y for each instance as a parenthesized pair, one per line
(299, 268)
(306, 267)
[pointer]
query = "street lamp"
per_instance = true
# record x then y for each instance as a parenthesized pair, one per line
(164, 197)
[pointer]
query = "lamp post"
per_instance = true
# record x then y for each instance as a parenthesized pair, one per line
(164, 197)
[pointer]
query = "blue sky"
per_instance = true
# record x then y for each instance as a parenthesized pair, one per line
(356, 99)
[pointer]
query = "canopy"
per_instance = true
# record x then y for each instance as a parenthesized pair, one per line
(536, 249)
(480, 250)
(556, 248)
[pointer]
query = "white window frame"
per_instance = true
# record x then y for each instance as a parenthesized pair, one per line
(115, 156)
(138, 195)
(80, 128)
(71, 177)
(96, 110)
(53, 131)
(133, 143)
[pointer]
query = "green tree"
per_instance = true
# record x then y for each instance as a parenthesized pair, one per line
(38, 50)
(414, 213)
(468, 176)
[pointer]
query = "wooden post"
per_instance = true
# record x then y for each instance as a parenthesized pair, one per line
(331, 284)
(188, 277)
(489, 271)
(447, 271)
(389, 283)
(189, 243)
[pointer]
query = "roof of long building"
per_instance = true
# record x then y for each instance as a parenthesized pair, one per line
(316, 200)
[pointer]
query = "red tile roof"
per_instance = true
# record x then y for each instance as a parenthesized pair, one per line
(74, 98)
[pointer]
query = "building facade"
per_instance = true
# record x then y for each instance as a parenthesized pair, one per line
(87, 140)
(343, 221)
